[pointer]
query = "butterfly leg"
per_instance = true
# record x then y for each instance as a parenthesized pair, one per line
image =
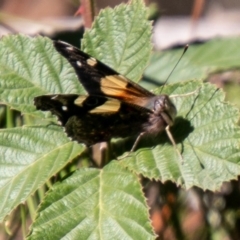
(137, 141)
(167, 129)
(134, 145)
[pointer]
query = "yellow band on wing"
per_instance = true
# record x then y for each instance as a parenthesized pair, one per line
(78, 101)
(110, 106)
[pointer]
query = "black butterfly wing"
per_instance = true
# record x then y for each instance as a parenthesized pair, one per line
(99, 79)
(93, 119)
(115, 107)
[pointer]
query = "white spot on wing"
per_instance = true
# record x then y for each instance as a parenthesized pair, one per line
(64, 108)
(65, 43)
(79, 63)
(70, 48)
(54, 97)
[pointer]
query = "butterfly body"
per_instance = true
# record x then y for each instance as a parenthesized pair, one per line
(115, 107)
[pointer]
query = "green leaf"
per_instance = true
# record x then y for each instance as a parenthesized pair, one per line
(205, 132)
(199, 61)
(121, 38)
(95, 204)
(29, 157)
(30, 67)
(207, 136)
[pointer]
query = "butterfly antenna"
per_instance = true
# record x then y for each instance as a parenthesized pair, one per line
(184, 51)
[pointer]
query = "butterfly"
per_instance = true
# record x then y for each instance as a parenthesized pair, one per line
(115, 106)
